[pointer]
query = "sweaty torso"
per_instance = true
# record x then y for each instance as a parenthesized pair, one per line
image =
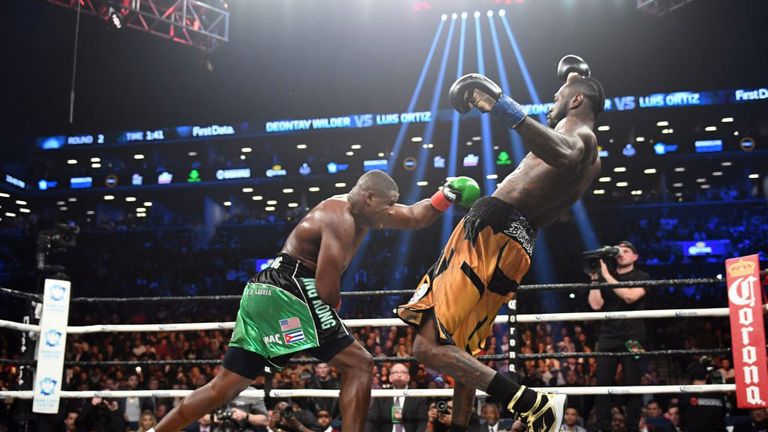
(304, 241)
(542, 192)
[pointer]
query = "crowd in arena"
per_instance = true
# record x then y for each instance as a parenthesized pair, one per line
(183, 262)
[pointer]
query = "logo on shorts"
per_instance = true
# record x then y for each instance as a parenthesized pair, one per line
(294, 336)
(289, 324)
(272, 339)
(420, 293)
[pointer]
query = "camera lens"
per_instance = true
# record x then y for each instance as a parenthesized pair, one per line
(442, 406)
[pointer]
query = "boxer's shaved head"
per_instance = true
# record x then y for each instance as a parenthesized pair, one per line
(376, 181)
(373, 197)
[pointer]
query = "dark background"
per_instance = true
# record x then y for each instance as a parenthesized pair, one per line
(290, 59)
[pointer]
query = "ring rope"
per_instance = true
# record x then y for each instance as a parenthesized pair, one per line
(531, 287)
(392, 359)
(626, 284)
(21, 294)
(388, 322)
(379, 393)
(13, 325)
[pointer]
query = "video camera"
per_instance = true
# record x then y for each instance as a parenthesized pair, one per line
(222, 421)
(287, 413)
(443, 407)
(60, 237)
(57, 240)
(705, 369)
(591, 259)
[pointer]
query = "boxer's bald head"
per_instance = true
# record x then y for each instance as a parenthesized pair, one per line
(373, 197)
(376, 181)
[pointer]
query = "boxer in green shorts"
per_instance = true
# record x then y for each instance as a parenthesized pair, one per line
(291, 306)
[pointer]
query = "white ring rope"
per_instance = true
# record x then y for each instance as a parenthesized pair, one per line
(387, 322)
(380, 393)
(13, 325)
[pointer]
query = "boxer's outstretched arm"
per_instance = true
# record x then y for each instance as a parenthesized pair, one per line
(416, 216)
(558, 147)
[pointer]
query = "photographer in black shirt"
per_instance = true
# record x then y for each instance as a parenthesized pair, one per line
(704, 412)
(615, 265)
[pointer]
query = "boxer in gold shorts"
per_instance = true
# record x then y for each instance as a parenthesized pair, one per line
(477, 273)
(490, 250)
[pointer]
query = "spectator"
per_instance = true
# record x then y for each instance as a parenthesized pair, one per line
(278, 423)
(323, 379)
(673, 414)
(406, 414)
(727, 374)
(702, 411)
(655, 420)
(423, 378)
(618, 423)
(758, 421)
(133, 406)
(441, 421)
(147, 421)
(571, 420)
(202, 425)
(101, 415)
(324, 421)
(70, 421)
(491, 421)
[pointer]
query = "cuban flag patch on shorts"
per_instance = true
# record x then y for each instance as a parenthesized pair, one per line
(293, 336)
(289, 324)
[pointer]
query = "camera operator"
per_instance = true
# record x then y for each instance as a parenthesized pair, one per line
(441, 416)
(244, 413)
(229, 418)
(283, 418)
(615, 265)
(101, 415)
(706, 411)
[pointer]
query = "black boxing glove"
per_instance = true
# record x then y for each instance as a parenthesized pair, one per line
(461, 92)
(572, 63)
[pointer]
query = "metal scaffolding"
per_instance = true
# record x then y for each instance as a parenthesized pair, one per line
(190, 22)
(660, 7)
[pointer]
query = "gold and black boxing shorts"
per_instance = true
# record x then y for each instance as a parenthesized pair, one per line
(478, 272)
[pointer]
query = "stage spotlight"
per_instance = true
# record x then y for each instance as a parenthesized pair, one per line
(444, 17)
(454, 16)
(464, 15)
(477, 14)
(114, 18)
(489, 13)
(502, 12)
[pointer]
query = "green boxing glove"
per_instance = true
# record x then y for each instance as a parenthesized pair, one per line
(462, 190)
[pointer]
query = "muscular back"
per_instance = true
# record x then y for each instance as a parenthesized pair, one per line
(304, 241)
(542, 192)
